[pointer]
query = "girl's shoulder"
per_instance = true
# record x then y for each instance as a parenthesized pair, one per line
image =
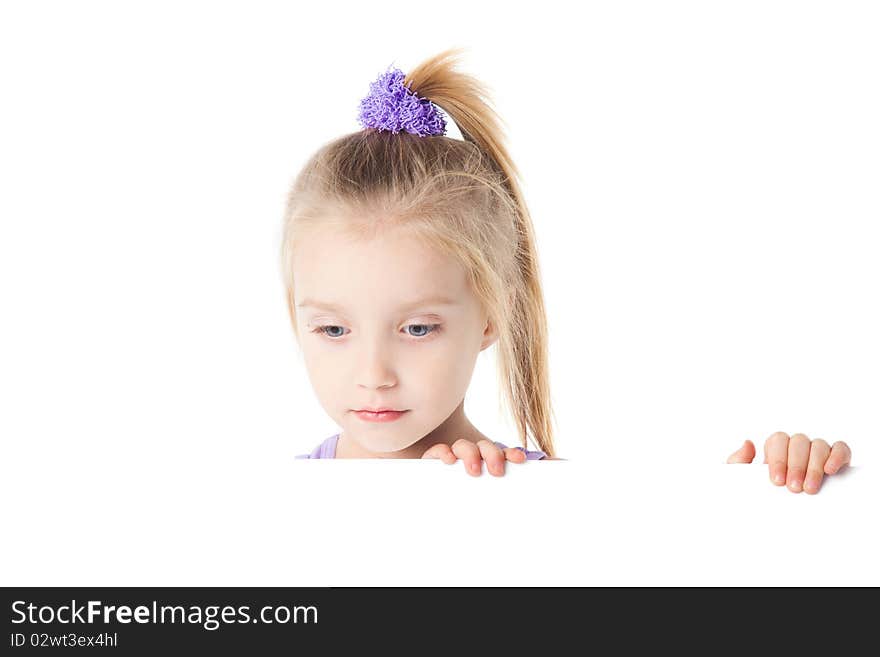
(326, 450)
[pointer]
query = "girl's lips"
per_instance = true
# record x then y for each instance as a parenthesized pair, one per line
(384, 416)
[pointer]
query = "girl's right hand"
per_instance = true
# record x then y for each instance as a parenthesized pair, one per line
(473, 455)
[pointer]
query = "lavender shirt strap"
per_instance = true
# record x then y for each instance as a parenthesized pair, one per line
(530, 454)
(326, 450)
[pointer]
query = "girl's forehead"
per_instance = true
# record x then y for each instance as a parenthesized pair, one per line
(342, 237)
(340, 286)
(394, 258)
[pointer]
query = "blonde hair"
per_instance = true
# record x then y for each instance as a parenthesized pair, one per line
(457, 196)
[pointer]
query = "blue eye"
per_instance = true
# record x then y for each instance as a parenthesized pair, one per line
(433, 328)
(321, 329)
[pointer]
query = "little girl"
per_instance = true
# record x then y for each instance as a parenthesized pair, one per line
(405, 253)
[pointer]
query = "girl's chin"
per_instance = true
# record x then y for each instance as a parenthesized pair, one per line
(378, 446)
(384, 447)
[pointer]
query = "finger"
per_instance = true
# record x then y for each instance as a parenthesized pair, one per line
(744, 454)
(440, 451)
(493, 456)
(470, 454)
(798, 456)
(819, 451)
(515, 454)
(840, 456)
(776, 455)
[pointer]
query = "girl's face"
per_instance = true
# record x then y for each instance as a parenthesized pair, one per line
(386, 324)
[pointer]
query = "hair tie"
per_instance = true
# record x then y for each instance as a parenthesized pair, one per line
(390, 105)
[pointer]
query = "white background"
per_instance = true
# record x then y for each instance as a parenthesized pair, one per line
(703, 179)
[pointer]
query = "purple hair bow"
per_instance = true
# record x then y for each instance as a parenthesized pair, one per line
(392, 106)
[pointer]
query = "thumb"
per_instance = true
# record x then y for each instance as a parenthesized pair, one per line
(744, 454)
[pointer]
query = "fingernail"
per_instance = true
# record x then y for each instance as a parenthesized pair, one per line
(779, 478)
(795, 485)
(475, 467)
(811, 484)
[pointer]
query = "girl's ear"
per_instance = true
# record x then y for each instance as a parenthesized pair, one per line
(490, 336)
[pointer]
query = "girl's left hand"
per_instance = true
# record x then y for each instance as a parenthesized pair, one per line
(797, 461)
(473, 455)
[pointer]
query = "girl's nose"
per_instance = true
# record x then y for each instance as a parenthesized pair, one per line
(376, 370)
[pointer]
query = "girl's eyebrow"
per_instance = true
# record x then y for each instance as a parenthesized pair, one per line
(432, 301)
